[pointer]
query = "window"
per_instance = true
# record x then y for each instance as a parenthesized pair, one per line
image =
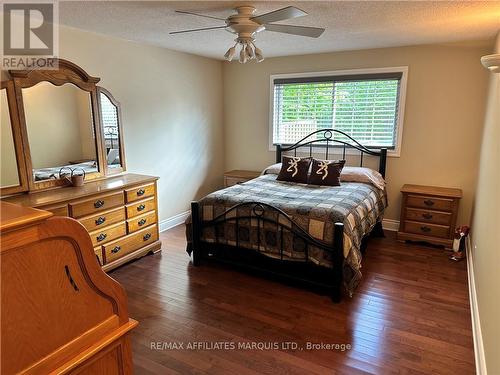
(366, 106)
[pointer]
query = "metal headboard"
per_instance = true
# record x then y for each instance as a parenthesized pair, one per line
(326, 138)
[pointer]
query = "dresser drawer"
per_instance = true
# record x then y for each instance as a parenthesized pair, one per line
(141, 221)
(102, 219)
(139, 192)
(433, 203)
(141, 207)
(107, 234)
(428, 216)
(98, 252)
(125, 245)
(96, 204)
(426, 229)
(57, 210)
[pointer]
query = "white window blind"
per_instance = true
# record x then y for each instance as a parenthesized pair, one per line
(363, 106)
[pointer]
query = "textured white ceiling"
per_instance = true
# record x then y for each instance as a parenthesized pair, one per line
(349, 24)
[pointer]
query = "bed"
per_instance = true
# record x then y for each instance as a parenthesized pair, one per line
(307, 234)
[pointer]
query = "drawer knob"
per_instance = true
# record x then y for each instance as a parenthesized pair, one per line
(427, 216)
(429, 202)
(425, 229)
(101, 237)
(116, 249)
(100, 220)
(141, 207)
(147, 236)
(141, 222)
(99, 203)
(140, 192)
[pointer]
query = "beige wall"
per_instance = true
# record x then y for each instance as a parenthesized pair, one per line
(171, 111)
(485, 228)
(443, 116)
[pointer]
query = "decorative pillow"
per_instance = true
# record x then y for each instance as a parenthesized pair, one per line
(326, 172)
(272, 169)
(363, 174)
(294, 169)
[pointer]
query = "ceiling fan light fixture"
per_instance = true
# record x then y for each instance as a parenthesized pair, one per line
(258, 54)
(250, 50)
(243, 54)
(231, 52)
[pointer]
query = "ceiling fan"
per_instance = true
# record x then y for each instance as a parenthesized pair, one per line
(245, 25)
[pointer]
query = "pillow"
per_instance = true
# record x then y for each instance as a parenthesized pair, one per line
(272, 169)
(362, 174)
(294, 169)
(326, 172)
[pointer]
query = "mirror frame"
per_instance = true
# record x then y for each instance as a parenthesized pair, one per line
(67, 72)
(17, 139)
(116, 103)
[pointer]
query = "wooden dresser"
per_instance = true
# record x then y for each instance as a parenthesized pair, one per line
(429, 214)
(61, 314)
(238, 176)
(120, 213)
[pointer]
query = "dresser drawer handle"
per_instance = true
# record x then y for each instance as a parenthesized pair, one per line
(429, 202)
(141, 207)
(140, 192)
(147, 236)
(425, 229)
(141, 222)
(98, 204)
(101, 237)
(116, 249)
(100, 220)
(427, 216)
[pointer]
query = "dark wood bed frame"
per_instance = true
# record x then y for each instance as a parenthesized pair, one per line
(305, 273)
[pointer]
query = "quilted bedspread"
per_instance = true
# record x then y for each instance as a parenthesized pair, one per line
(315, 209)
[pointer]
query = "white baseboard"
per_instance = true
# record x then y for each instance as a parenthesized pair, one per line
(389, 224)
(474, 310)
(173, 221)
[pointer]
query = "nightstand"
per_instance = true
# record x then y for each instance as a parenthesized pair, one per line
(429, 214)
(237, 177)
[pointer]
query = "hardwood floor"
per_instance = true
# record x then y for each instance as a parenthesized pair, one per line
(410, 315)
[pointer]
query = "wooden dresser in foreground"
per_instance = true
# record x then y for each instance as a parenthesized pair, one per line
(239, 176)
(120, 213)
(429, 214)
(61, 314)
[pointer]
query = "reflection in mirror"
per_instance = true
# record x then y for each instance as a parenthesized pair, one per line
(110, 124)
(60, 129)
(9, 172)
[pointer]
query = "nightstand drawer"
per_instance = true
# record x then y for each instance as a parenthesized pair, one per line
(428, 216)
(426, 229)
(440, 204)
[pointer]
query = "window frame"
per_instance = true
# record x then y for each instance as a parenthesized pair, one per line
(396, 152)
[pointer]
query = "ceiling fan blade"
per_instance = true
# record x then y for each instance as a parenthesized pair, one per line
(313, 32)
(202, 29)
(199, 15)
(279, 15)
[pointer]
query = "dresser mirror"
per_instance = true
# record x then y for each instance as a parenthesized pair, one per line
(9, 176)
(111, 125)
(60, 128)
(62, 122)
(13, 178)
